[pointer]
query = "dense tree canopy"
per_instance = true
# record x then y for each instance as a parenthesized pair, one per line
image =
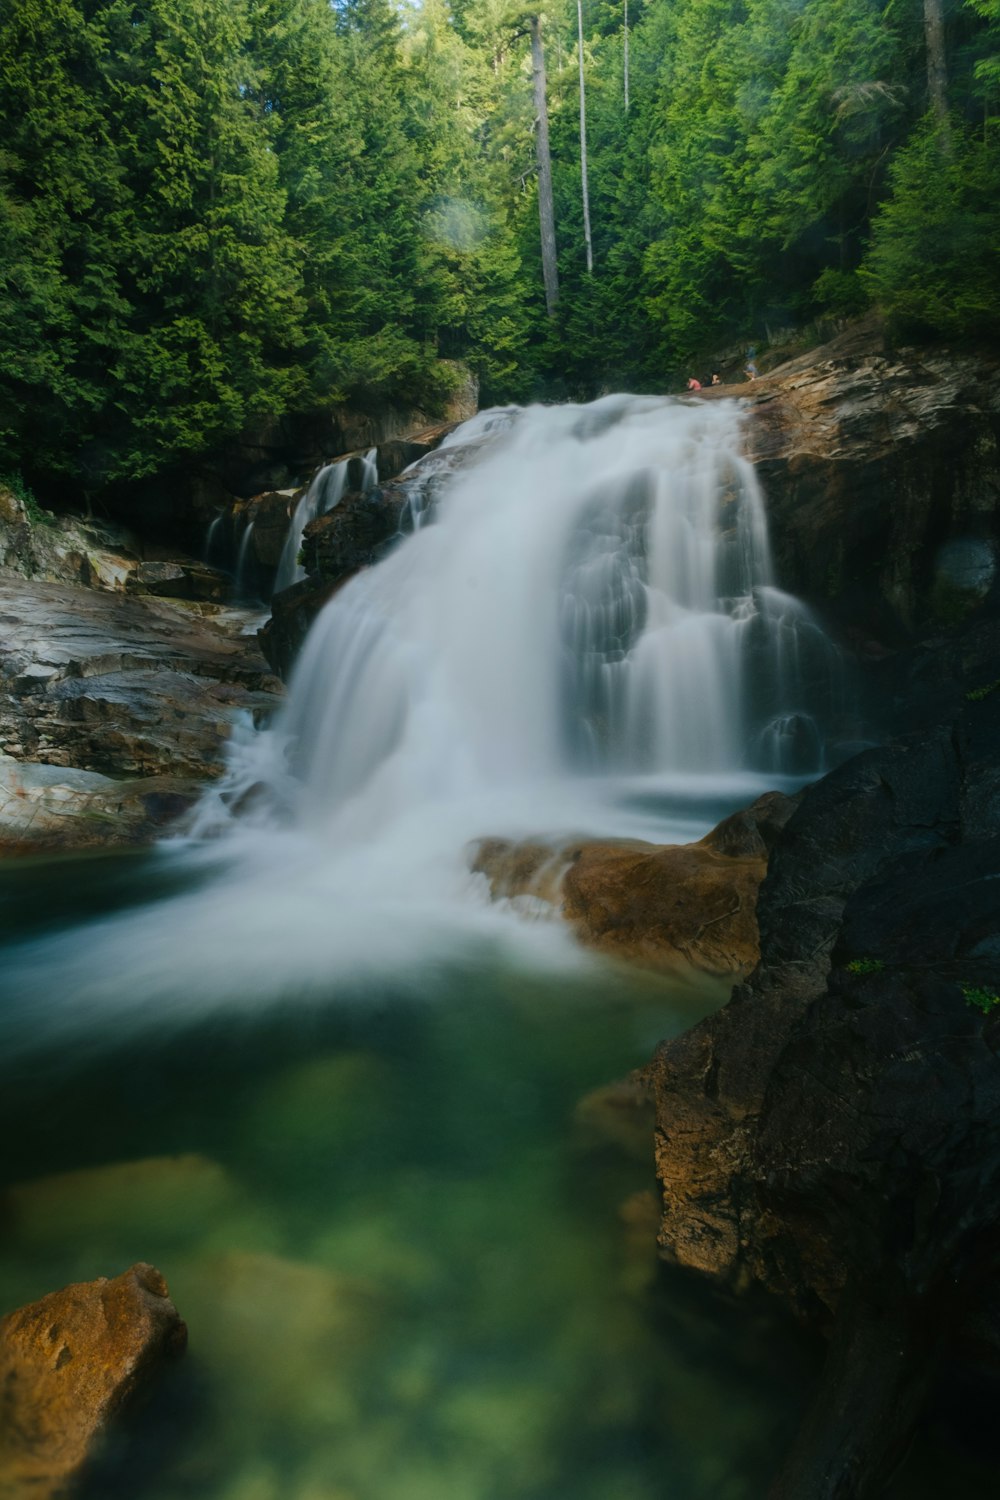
(217, 210)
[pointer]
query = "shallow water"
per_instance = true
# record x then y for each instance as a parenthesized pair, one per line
(413, 1266)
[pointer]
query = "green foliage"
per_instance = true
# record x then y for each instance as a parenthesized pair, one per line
(865, 966)
(221, 211)
(980, 999)
(978, 694)
(841, 293)
(16, 485)
(934, 261)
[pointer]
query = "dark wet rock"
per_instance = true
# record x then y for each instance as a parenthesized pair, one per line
(356, 534)
(180, 579)
(69, 1364)
(292, 614)
(671, 907)
(834, 1132)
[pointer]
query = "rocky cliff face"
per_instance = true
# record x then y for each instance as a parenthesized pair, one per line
(882, 472)
(834, 1131)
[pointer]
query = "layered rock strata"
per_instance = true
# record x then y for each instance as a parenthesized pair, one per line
(112, 710)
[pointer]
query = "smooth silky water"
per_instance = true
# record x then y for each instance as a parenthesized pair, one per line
(299, 1060)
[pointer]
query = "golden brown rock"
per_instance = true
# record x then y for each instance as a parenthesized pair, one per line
(666, 907)
(669, 907)
(68, 1364)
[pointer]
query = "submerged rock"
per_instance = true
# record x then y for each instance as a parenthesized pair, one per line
(160, 1198)
(68, 1365)
(285, 1339)
(670, 907)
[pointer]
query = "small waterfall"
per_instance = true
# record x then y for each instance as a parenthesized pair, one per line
(243, 586)
(212, 539)
(324, 492)
(369, 471)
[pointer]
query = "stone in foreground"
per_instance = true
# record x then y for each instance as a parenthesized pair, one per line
(68, 1364)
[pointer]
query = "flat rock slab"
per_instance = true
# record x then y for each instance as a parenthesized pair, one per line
(53, 809)
(68, 1364)
(137, 691)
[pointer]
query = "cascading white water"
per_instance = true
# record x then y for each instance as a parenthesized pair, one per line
(242, 583)
(583, 639)
(594, 599)
(211, 537)
(325, 490)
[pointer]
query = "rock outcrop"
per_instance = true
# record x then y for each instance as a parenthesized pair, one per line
(834, 1131)
(132, 699)
(881, 466)
(68, 1365)
(673, 907)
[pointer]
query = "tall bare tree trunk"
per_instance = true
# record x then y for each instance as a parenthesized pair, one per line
(546, 211)
(583, 141)
(626, 56)
(937, 73)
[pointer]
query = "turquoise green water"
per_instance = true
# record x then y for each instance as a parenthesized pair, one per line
(414, 1267)
(414, 1246)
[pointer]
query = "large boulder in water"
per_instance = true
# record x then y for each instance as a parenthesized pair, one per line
(68, 1365)
(672, 907)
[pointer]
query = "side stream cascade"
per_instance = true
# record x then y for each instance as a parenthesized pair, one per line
(325, 491)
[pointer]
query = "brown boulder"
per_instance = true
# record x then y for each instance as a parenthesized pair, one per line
(68, 1364)
(666, 907)
(670, 907)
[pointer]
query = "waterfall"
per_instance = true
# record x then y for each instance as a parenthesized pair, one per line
(593, 605)
(211, 538)
(324, 492)
(369, 471)
(583, 638)
(242, 586)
